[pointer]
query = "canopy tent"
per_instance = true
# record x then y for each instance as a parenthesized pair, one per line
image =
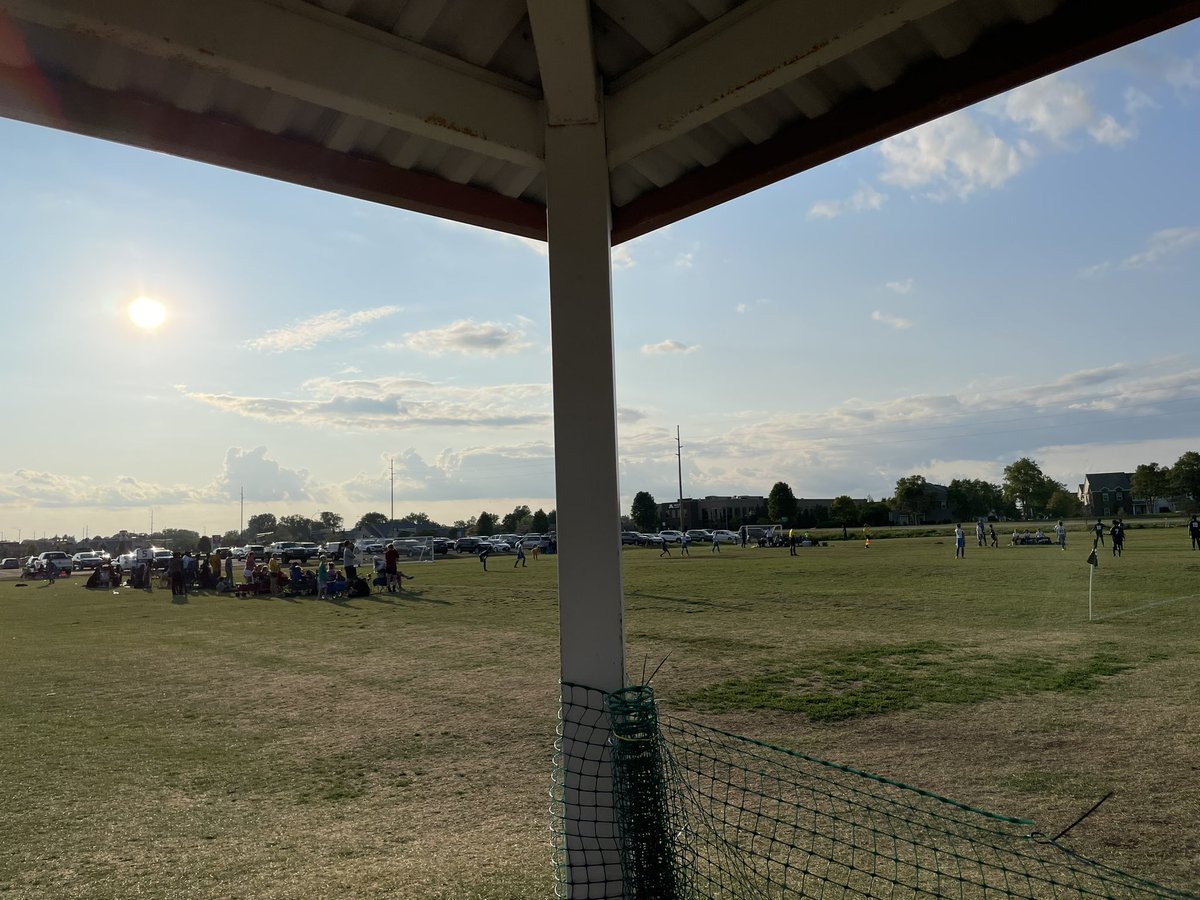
(581, 122)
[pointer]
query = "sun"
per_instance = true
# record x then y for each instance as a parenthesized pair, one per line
(147, 313)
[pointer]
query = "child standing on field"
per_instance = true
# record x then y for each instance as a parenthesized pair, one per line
(322, 577)
(960, 542)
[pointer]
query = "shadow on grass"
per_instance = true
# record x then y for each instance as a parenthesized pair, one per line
(688, 601)
(420, 597)
(397, 598)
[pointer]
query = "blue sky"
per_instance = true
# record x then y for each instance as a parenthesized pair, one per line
(1020, 278)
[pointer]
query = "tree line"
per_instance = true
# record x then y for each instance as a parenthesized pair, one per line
(302, 528)
(266, 527)
(1026, 492)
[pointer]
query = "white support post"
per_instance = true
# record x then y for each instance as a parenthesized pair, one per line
(591, 607)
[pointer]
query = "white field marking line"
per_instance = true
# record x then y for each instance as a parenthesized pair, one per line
(1126, 612)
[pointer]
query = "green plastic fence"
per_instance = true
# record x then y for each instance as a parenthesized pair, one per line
(701, 814)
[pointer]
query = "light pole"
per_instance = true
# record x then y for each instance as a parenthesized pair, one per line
(679, 461)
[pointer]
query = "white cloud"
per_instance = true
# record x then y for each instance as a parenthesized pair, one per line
(1160, 246)
(864, 199)
(466, 337)
(308, 333)
(1136, 100)
(1184, 74)
(25, 488)
(621, 257)
(259, 477)
(954, 155)
(1058, 108)
(958, 155)
(684, 260)
(860, 447)
(1052, 106)
(741, 308)
(669, 346)
(895, 321)
(1110, 132)
(901, 287)
(477, 473)
(374, 404)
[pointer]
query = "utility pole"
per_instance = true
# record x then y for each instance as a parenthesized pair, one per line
(242, 516)
(392, 475)
(679, 460)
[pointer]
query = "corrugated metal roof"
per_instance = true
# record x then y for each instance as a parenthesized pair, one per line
(157, 56)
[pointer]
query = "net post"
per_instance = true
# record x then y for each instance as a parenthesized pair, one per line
(649, 858)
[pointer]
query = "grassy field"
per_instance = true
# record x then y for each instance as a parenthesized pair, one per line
(400, 746)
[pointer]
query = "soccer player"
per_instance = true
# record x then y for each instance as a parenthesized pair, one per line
(1061, 531)
(1194, 532)
(960, 542)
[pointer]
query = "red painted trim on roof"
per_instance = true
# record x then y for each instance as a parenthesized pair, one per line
(998, 62)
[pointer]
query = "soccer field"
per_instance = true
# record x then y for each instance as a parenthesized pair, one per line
(400, 745)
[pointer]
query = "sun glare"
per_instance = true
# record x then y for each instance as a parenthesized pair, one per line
(147, 313)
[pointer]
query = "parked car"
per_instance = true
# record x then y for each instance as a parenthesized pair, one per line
(671, 537)
(87, 559)
(632, 537)
(287, 550)
(10, 562)
(725, 536)
(257, 549)
(467, 545)
(653, 540)
(497, 546)
(53, 558)
(699, 535)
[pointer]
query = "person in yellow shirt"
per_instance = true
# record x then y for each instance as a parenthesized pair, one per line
(274, 567)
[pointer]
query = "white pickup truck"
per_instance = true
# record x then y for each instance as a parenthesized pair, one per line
(53, 559)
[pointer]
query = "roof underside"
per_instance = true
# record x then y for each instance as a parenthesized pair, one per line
(441, 106)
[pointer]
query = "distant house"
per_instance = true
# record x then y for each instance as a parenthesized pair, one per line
(713, 511)
(1107, 494)
(937, 512)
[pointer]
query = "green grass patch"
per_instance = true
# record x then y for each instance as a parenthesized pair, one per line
(878, 680)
